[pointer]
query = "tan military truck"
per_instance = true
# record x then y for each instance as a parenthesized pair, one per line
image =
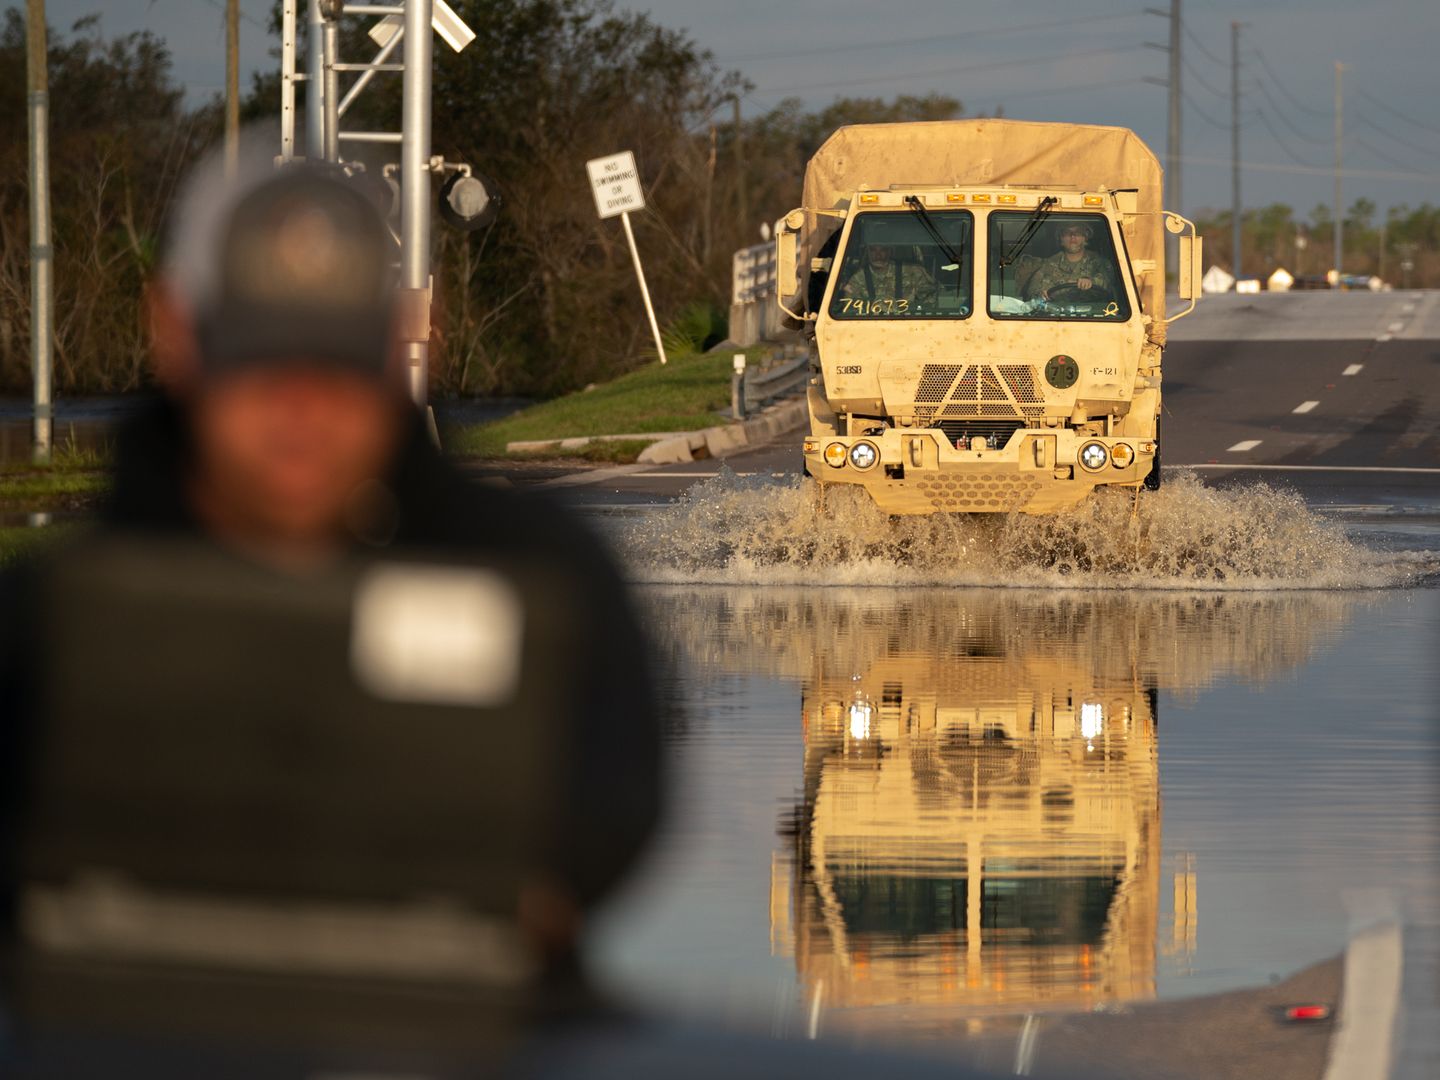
(986, 300)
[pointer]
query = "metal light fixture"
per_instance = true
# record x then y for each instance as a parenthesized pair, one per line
(468, 201)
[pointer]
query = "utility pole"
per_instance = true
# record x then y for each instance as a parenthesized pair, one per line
(415, 192)
(1173, 195)
(1172, 142)
(1339, 163)
(1235, 210)
(1380, 269)
(42, 255)
(742, 196)
(232, 86)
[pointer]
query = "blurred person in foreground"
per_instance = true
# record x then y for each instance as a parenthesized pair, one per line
(312, 747)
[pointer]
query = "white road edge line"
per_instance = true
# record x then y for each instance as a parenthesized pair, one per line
(594, 476)
(1311, 468)
(1363, 1046)
(693, 475)
(1025, 1046)
(1305, 406)
(1353, 369)
(1241, 447)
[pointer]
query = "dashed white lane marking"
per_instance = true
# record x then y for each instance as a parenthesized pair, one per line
(1305, 406)
(697, 475)
(1396, 327)
(1353, 369)
(1386, 337)
(1246, 444)
(1407, 309)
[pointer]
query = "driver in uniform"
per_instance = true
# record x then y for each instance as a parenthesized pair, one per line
(1073, 263)
(882, 275)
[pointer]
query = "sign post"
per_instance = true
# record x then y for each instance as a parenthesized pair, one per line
(615, 182)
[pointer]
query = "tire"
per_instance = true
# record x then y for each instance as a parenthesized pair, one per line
(1152, 481)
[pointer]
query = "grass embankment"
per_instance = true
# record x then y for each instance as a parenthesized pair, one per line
(72, 484)
(683, 395)
(74, 480)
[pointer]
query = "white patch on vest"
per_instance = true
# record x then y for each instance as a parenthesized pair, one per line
(442, 635)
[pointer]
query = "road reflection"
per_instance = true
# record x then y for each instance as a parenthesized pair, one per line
(978, 831)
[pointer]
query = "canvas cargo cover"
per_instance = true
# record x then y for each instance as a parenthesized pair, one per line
(972, 153)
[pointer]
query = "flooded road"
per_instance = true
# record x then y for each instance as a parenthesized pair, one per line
(928, 806)
(922, 810)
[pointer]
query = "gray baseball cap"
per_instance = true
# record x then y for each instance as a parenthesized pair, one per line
(284, 266)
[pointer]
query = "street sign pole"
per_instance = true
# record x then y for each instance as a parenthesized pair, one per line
(615, 183)
(644, 289)
(42, 255)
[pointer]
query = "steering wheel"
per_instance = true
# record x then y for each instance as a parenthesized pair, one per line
(1069, 292)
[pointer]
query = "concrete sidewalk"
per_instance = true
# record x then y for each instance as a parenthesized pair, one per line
(672, 447)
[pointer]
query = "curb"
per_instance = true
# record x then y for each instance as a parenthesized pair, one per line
(579, 442)
(726, 439)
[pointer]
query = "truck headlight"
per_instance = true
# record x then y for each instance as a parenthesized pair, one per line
(863, 455)
(1093, 455)
(1121, 455)
(835, 455)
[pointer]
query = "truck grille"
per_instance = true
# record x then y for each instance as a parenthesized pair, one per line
(949, 392)
(996, 433)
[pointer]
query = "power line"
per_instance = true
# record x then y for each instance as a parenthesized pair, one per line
(1002, 99)
(1280, 85)
(1429, 151)
(966, 35)
(1384, 157)
(1201, 80)
(963, 69)
(1280, 115)
(1305, 170)
(1221, 124)
(1195, 40)
(1396, 112)
(1281, 142)
(220, 5)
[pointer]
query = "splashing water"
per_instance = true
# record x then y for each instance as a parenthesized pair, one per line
(732, 530)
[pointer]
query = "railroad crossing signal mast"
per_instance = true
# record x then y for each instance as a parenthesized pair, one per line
(406, 26)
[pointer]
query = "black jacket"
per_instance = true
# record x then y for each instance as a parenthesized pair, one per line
(587, 673)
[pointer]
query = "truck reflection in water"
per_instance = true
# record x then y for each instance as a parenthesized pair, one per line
(978, 830)
(978, 833)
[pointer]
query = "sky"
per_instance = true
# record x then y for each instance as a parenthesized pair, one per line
(1082, 61)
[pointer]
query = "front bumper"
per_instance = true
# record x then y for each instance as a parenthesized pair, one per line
(1038, 471)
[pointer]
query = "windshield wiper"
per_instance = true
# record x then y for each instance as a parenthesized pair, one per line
(925, 219)
(1031, 227)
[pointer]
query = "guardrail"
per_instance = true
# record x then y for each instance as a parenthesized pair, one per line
(754, 316)
(786, 374)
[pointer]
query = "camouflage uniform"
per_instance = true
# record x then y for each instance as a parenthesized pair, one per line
(1057, 268)
(899, 280)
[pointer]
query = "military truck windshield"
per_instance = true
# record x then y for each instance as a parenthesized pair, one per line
(894, 268)
(1068, 269)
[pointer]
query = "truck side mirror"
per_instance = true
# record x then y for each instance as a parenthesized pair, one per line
(787, 254)
(1189, 271)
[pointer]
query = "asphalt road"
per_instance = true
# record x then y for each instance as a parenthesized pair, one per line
(1335, 395)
